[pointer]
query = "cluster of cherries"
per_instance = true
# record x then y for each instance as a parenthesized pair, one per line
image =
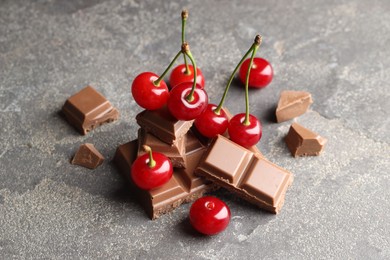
(188, 100)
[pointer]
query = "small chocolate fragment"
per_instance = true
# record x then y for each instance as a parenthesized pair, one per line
(183, 187)
(88, 156)
(175, 152)
(163, 125)
(303, 142)
(88, 109)
(249, 176)
(292, 104)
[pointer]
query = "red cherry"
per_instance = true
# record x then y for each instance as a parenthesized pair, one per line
(245, 135)
(178, 76)
(151, 170)
(211, 124)
(209, 215)
(147, 94)
(181, 108)
(261, 73)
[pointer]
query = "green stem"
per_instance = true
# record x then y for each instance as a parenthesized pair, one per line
(152, 162)
(190, 96)
(157, 81)
(246, 121)
(219, 107)
(184, 16)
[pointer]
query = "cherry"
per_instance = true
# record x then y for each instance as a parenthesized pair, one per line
(181, 106)
(179, 75)
(147, 94)
(149, 90)
(187, 100)
(245, 129)
(212, 122)
(209, 215)
(242, 134)
(151, 170)
(184, 72)
(261, 73)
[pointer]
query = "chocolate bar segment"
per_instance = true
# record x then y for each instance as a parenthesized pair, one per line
(175, 152)
(88, 109)
(239, 170)
(183, 187)
(163, 125)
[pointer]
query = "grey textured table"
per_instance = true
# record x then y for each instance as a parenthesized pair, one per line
(339, 204)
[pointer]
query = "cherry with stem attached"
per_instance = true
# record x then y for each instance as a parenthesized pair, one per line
(214, 120)
(187, 100)
(149, 90)
(261, 73)
(151, 170)
(245, 129)
(184, 72)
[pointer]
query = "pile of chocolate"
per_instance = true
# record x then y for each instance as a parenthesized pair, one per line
(201, 165)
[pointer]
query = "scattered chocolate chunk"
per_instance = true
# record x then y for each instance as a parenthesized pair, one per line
(183, 187)
(175, 152)
(292, 104)
(88, 109)
(88, 156)
(242, 172)
(303, 142)
(163, 125)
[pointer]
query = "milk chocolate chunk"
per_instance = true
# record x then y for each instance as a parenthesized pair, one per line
(249, 176)
(303, 142)
(175, 152)
(183, 187)
(292, 104)
(88, 156)
(88, 109)
(163, 125)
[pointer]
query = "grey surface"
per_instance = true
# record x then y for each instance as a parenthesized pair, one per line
(339, 204)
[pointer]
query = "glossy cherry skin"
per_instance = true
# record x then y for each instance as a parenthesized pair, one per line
(178, 76)
(245, 135)
(146, 94)
(181, 108)
(261, 73)
(148, 178)
(209, 215)
(210, 124)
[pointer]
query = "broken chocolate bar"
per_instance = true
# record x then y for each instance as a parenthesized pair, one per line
(303, 142)
(163, 125)
(175, 152)
(251, 177)
(88, 109)
(183, 187)
(88, 156)
(292, 104)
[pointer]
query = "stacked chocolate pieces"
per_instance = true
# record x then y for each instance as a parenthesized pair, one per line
(201, 165)
(172, 137)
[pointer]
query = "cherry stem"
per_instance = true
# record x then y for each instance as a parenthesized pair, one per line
(186, 49)
(151, 162)
(219, 107)
(246, 121)
(184, 16)
(157, 81)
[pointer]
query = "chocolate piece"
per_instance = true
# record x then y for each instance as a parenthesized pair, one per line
(175, 152)
(88, 109)
(183, 187)
(239, 170)
(88, 156)
(303, 142)
(292, 104)
(163, 125)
